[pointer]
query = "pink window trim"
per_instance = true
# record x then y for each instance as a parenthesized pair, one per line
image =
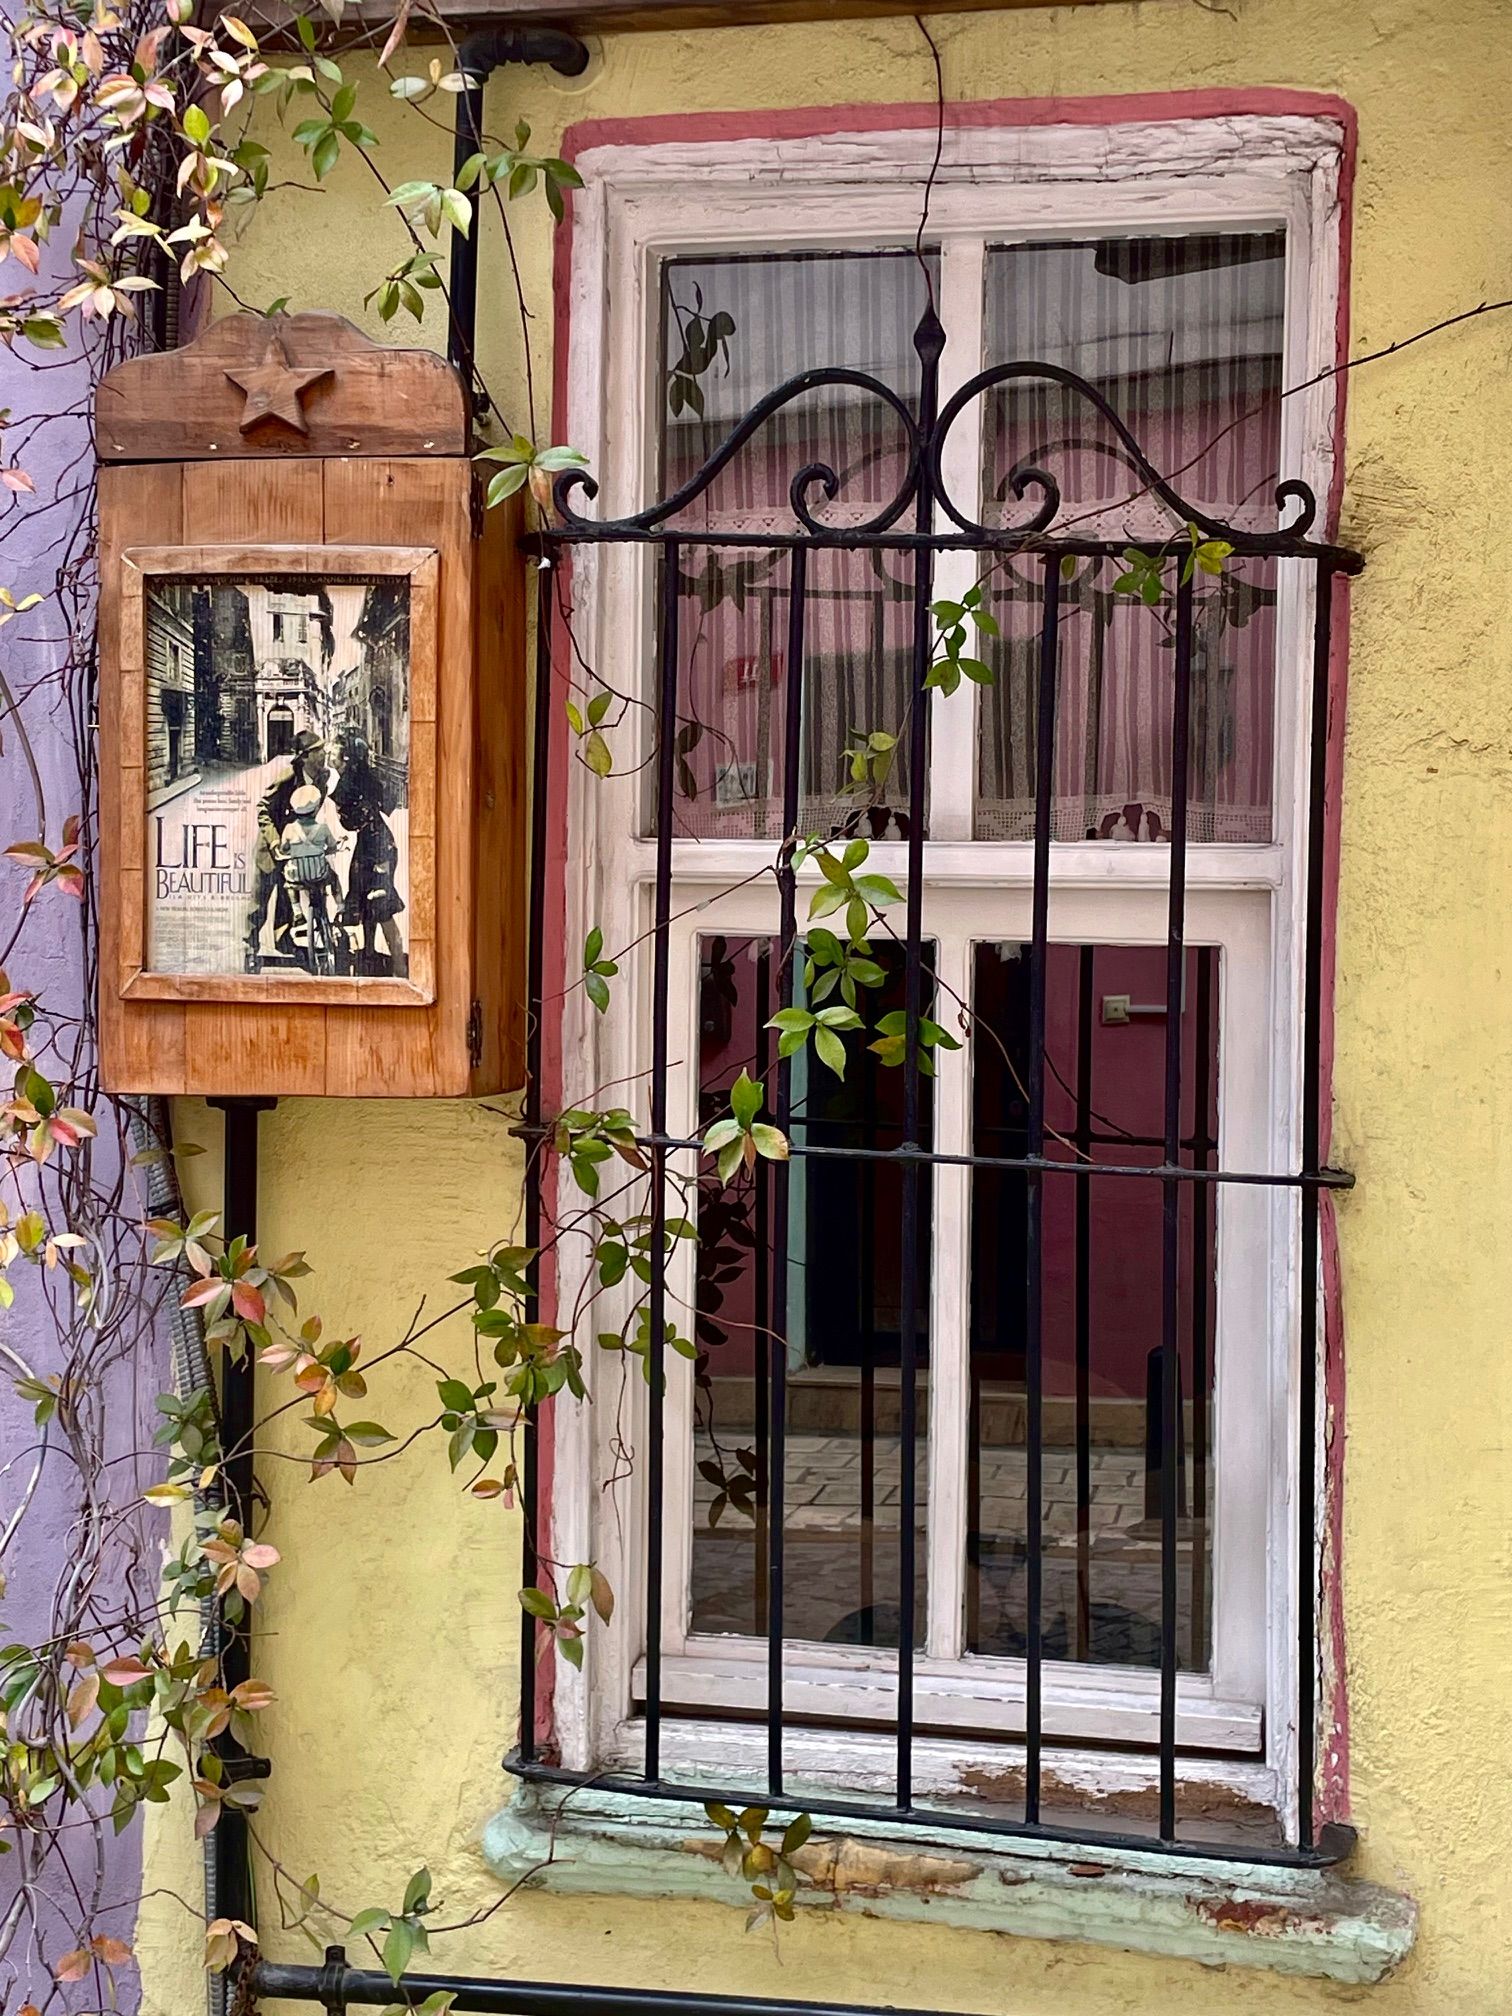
(811, 122)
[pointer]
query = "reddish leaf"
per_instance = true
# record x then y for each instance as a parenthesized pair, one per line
(124, 1672)
(248, 1303)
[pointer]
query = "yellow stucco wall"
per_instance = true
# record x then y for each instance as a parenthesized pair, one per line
(390, 1632)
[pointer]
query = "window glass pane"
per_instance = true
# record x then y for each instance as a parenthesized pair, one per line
(1183, 338)
(843, 1331)
(1102, 1306)
(733, 330)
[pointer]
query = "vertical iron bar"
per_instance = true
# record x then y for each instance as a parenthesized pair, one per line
(1034, 1382)
(1202, 1143)
(762, 1310)
(1170, 1385)
(976, 1540)
(868, 1177)
(1083, 1316)
(1312, 1155)
(929, 342)
(234, 1890)
(787, 950)
(540, 792)
(657, 1310)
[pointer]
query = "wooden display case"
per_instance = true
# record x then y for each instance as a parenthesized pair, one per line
(312, 725)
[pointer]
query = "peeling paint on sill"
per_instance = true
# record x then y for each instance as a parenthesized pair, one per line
(1302, 1922)
(844, 1866)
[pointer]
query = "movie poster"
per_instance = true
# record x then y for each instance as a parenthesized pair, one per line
(277, 775)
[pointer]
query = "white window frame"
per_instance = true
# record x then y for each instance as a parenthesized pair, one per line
(995, 185)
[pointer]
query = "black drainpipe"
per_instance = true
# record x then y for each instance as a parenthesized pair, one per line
(478, 58)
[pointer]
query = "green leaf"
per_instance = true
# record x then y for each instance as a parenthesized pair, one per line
(505, 484)
(561, 457)
(325, 154)
(593, 946)
(791, 1018)
(371, 1920)
(398, 1947)
(196, 124)
(596, 987)
(596, 754)
(367, 1434)
(745, 1098)
(417, 1891)
(536, 1601)
(798, 1831)
(830, 1050)
(771, 1142)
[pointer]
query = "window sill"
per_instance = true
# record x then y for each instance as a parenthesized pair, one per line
(1299, 1922)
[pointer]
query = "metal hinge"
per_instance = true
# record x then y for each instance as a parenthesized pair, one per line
(476, 509)
(475, 1034)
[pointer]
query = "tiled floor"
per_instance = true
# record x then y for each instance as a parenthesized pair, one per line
(842, 1581)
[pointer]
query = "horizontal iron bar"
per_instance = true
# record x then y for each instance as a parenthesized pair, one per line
(1339, 559)
(1305, 1179)
(1335, 1842)
(274, 1979)
(277, 1981)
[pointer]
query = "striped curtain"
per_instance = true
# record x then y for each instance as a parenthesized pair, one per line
(1182, 336)
(732, 330)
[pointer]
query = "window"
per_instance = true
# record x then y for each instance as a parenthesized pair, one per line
(982, 1490)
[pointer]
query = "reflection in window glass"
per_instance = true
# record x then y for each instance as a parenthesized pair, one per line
(1102, 1306)
(1182, 337)
(843, 1331)
(733, 329)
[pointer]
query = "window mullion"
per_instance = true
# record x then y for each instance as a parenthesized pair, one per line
(950, 1311)
(953, 721)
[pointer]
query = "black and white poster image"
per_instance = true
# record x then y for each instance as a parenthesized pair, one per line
(277, 775)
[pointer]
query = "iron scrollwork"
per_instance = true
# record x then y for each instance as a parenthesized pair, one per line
(924, 440)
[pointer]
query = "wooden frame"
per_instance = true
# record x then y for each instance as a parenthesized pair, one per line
(419, 566)
(995, 184)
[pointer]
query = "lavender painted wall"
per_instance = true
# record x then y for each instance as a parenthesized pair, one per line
(47, 433)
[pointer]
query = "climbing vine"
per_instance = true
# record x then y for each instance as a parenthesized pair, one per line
(130, 164)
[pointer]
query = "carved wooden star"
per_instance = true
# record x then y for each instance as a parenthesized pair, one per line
(275, 387)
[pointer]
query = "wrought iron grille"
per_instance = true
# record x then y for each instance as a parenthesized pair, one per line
(918, 523)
